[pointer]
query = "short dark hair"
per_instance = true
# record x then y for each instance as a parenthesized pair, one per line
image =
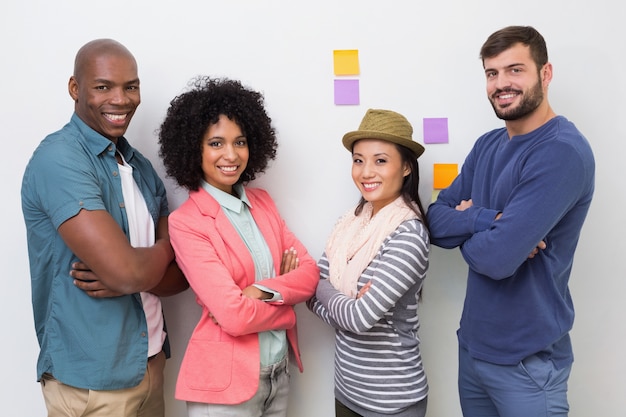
(190, 115)
(507, 37)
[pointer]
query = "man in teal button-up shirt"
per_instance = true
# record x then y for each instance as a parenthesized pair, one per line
(91, 326)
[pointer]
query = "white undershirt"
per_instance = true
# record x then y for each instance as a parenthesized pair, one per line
(142, 234)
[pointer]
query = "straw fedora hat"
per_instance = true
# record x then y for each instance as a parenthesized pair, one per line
(384, 125)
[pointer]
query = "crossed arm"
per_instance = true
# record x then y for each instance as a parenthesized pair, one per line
(465, 204)
(110, 266)
(289, 262)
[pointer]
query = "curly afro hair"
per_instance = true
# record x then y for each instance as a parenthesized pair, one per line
(190, 115)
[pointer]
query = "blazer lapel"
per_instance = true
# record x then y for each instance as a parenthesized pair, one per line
(234, 246)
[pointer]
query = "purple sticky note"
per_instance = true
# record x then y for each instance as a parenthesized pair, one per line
(346, 92)
(436, 130)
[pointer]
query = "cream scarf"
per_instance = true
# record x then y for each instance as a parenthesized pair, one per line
(355, 241)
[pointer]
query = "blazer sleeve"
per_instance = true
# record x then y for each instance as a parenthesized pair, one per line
(218, 268)
(298, 285)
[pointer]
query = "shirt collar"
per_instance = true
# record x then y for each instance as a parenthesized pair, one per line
(98, 144)
(226, 200)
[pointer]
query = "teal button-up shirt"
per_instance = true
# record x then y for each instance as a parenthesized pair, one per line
(98, 344)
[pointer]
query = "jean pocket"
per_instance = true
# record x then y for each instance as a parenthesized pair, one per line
(538, 370)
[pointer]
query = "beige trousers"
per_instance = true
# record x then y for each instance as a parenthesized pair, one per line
(144, 400)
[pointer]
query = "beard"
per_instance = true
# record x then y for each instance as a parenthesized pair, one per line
(531, 99)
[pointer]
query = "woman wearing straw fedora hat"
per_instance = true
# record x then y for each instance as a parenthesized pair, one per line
(372, 271)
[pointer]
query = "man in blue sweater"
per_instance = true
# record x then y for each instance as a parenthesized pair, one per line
(516, 211)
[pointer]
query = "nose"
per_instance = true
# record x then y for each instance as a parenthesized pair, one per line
(230, 153)
(501, 81)
(368, 170)
(119, 96)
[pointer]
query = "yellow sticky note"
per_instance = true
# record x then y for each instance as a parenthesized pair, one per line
(444, 174)
(434, 196)
(346, 61)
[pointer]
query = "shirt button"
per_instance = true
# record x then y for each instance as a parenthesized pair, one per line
(143, 334)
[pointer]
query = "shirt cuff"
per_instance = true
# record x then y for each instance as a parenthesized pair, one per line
(276, 296)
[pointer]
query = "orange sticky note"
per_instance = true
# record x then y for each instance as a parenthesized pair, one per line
(444, 174)
(346, 61)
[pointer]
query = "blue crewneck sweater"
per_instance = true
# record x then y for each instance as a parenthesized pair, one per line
(542, 183)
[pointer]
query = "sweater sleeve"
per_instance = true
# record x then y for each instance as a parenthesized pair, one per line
(314, 303)
(449, 227)
(399, 268)
(551, 183)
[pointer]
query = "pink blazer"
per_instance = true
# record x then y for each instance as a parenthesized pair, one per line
(221, 363)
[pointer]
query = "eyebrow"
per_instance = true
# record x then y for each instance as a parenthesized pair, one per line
(519, 64)
(105, 81)
(223, 138)
(376, 154)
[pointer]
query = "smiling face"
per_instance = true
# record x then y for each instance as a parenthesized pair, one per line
(225, 154)
(515, 87)
(105, 89)
(378, 171)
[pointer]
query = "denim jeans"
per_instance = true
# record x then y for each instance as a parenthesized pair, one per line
(532, 388)
(270, 400)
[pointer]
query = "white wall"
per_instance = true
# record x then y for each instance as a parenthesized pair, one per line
(418, 58)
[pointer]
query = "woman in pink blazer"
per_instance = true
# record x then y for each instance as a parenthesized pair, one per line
(244, 265)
